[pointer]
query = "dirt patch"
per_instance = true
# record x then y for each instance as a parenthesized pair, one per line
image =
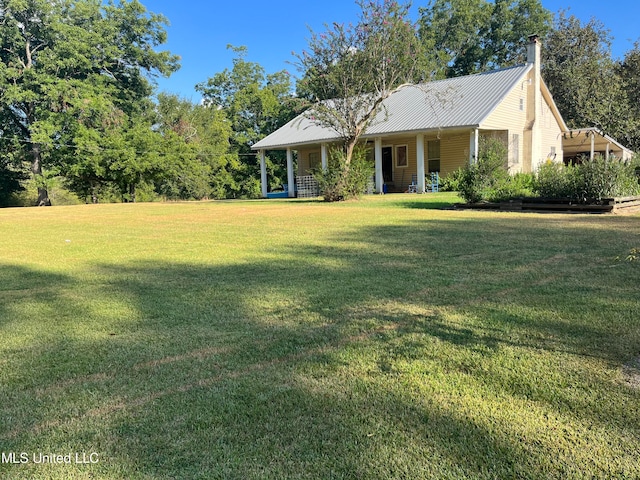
(631, 373)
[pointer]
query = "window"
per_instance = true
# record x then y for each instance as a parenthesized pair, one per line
(401, 156)
(522, 104)
(314, 160)
(515, 149)
(433, 155)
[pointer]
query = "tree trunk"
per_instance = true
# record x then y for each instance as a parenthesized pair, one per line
(94, 193)
(36, 170)
(350, 146)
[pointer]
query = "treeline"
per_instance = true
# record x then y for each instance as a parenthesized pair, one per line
(79, 115)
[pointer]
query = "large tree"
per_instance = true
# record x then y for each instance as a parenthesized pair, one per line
(472, 36)
(67, 65)
(578, 68)
(349, 70)
(629, 72)
(256, 104)
(198, 137)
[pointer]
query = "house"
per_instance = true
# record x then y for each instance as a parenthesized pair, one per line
(436, 127)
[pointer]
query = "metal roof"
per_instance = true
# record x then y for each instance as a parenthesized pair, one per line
(443, 104)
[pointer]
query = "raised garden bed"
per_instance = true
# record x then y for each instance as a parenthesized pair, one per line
(606, 205)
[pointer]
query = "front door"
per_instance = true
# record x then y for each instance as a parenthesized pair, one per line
(387, 164)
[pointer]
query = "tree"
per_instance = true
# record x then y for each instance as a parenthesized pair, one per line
(198, 138)
(351, 69)
(473, 36)
(10, 180)
(256, 104)
(629, 72)
(67, 65)
(583, 78)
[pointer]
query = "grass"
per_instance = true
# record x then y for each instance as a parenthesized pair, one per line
(381, 338)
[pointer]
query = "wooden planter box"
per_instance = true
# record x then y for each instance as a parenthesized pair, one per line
(606, 205)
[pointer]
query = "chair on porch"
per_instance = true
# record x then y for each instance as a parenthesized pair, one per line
(413, 186)
(435, 182)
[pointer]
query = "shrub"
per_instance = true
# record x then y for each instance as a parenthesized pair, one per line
(516, 186)
(478, 179)
(58, 193)
(470, 184)
(607, 178)
(340, 181)
(451, 182)
(588, 182)
(554, 180)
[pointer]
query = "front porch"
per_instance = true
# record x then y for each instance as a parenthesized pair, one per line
(402, 162)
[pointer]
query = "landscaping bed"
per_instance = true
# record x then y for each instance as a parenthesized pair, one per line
(606, 205)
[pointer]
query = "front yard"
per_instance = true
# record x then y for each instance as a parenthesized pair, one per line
(381, 338)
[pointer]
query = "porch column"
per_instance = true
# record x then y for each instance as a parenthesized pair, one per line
(290, 177)
(473, 146)
(606, 155)
(378, 164)
(420, 157)
(323, 156)
(263, 173)
(593, 146)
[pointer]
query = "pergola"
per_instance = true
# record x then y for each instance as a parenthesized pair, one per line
(590, 141)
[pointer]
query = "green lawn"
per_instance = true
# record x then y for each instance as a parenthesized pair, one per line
(383, 338)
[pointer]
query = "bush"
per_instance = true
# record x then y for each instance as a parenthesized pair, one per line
(11, 179)
(516, 186)
(478, 179)
(451, 182)
(470, 184)
(58, 193)
(341, 181)
(607, 178)
(554, 180)
(588, 182)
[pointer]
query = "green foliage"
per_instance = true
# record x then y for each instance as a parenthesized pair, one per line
(451, 182)
(342, 180)
(470, 184)
(472, 36)
(555, 180)
(479, 178)
(56, 186)
(589, 87)
(255, 104)
(629, 72)
(11, 179)
(197, 142)
(589, 181)
(488, 178)
(350, 69)
(519, 185)
(70, 70)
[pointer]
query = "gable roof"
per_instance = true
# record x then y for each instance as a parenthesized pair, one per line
(443, 104)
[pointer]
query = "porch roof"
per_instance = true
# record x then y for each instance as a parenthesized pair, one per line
(578, 141)
(444, 104)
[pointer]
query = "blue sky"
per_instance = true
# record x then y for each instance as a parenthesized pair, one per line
(200, 30)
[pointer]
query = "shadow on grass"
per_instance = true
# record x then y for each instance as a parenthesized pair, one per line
(431, 205)
(398, 351)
